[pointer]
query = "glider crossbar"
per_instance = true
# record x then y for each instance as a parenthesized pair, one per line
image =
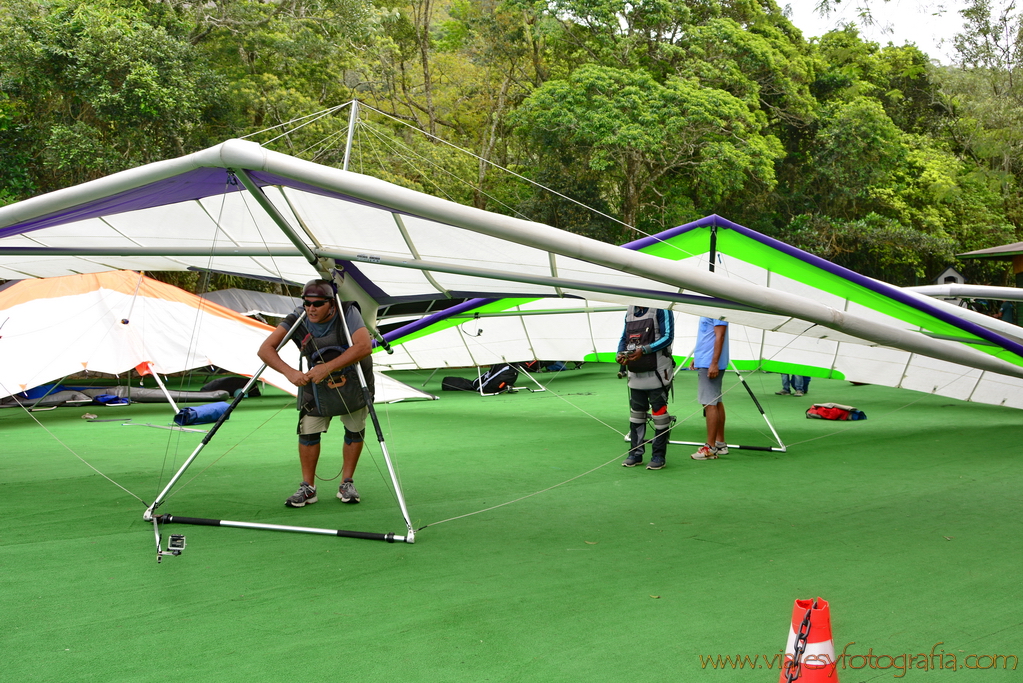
(200, 521)
(148, 514)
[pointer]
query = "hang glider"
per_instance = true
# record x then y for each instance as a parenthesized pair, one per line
(116, 321)
(113, 322)
(248, 302)
(487, 331)
(237, 207)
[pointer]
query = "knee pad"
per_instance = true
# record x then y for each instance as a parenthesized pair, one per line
(354, 437)
(637, 417)
(308, 439)
(663, 421)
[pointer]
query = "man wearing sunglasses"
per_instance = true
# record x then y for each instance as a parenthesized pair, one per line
(329, 387)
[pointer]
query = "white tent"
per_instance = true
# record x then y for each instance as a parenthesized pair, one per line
(112, 322)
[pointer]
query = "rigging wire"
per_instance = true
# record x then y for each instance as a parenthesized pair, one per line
(679, 421)
(255, 429)
(314, 115)
(391, 146)
(495, 165)
(69, 449)
(328, 143)
(319, 115)
(134, 296)
(426, 176)
(528, 495)
(193, 338)
(528, 180)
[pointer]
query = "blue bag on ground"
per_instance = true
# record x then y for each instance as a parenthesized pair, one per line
(200, 415)
(111, 400)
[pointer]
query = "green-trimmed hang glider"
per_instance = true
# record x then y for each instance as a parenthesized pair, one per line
(486, 331)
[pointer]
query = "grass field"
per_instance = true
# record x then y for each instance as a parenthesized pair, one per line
(908, 523)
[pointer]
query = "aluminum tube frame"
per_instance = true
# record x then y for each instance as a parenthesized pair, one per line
(736, 446)
(175, 519)
(274, 214)
(411, 538)
(742, 379)
(782, 448)
(239, 154)
(314, 261)
(148, 514)
(546, 281)
(970, 292)
(156, 376)
(353, 118)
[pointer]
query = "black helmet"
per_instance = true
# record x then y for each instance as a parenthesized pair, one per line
(321, 288)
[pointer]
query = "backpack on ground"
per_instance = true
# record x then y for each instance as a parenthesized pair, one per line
(834, 411)
(498, 378)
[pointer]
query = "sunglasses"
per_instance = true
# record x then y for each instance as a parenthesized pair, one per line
(314, 304)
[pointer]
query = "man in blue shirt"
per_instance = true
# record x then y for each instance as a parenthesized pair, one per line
(710, 359)
(645, 349)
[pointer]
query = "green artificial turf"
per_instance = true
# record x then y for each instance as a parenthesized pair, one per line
(907, 523)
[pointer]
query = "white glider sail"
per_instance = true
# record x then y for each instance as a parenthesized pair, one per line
(240, 208)
(112, 322)
(487, 331)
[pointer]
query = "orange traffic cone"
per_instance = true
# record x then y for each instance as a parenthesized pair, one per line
(810, 632)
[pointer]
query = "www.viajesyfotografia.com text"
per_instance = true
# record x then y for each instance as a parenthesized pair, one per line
(935, 660)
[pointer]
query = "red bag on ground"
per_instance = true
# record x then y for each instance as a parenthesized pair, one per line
(834, 411)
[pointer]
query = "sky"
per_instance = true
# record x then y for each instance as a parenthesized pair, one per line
(930, 24)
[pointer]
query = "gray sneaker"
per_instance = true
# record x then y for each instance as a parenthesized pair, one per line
(655, 463)
(347, 493)
(306, 495)
(633, 460)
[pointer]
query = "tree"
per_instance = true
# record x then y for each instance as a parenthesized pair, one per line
(95, 87)
(634, 132)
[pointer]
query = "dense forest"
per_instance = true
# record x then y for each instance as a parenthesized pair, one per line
(628, 117)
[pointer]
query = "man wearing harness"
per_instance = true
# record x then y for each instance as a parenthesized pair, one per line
(645, 349)
(329, 387)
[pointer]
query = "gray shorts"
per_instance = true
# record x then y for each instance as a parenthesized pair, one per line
(354, 422)
(708, 391)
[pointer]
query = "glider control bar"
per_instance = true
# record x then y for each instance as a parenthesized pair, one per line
(176, 519)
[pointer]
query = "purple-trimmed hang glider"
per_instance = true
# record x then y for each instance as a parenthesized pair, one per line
(240, 208)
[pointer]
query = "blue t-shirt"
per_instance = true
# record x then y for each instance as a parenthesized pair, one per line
(705, 344)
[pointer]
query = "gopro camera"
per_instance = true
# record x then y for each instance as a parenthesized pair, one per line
(176, 543)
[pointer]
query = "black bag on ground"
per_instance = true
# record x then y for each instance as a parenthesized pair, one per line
(231, 385)
(457, 384)
(498, 378)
